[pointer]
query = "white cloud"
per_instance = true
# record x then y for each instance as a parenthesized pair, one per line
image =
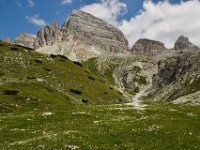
(108, 10)
(18, 3)
(66, 2)
(31, 3)
(164, 22)
(36, 20)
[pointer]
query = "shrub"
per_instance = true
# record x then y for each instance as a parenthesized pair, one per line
(78, 63)
(11, 92)
(47, 69)
(38, 61)
(75, 91)
(106, 93)
(64, 57)
(91, 78)
(14, 49)
(111, 88)
(119, 93)
(53, 56)
(84, 101)
(31, 78)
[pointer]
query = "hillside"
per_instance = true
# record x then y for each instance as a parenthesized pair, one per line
(31, 79)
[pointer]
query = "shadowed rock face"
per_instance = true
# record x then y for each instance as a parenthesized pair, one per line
(147, 47)
(48, 35)
(26, 40)
(85, 28)
(82, 29)
(183, 43)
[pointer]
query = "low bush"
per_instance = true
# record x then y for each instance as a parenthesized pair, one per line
(75, 91)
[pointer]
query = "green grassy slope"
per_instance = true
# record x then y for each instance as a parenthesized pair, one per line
(23, 69)
(159, 127)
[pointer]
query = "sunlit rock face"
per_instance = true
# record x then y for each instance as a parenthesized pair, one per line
(148, 47)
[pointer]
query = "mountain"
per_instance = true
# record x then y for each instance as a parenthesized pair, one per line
(183, 43)
(148, 47)
(83, 36)
(150, 71)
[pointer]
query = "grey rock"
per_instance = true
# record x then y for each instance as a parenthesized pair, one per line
(177, 76)
(26, 40)
(85, 28)
(148, 47)
(183, 43)
(48, 35)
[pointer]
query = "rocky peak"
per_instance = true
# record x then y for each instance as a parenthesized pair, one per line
(183, 43)
(26, 40)
(48, 35)
(90, 30)
(147, 47)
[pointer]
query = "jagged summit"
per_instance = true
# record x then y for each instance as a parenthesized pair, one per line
(147, 47)
(82, 31)
(183, 43)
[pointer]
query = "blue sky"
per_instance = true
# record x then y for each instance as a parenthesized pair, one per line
(18, 15)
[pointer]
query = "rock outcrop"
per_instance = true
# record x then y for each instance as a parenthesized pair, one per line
(177, 76)
(85, 28)
(148, 47)
(48, 35)
(26, 40)
(183, 43)
(83, 31)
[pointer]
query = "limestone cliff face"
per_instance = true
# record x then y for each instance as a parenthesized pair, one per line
(48, 35)
(177, 76)
(148, 47)
(26, 40)
(87, 29)
(183, 43)
(81, 30)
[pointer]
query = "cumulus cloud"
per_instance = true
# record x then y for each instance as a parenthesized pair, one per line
(164, 22)
(31, 3)
(108, 10)
(36, 20)
(66, 2)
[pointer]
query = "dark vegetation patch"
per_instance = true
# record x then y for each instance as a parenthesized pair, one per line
(75, 91)
(38, 61)
(120, 100)
(106, 93)
(85, 101)
(1, 74)
(10, 92)
(14, 49)
(47, 69)
(28, 48)
(53, 56)
(31, 78)
(50, 90)
(87, 71)
(91, 78)
(137, 69)
(110, 88)
(1, 44)
(61, 60)
(119, 93)
(102, 81)
(64, 57)
(78, 63)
